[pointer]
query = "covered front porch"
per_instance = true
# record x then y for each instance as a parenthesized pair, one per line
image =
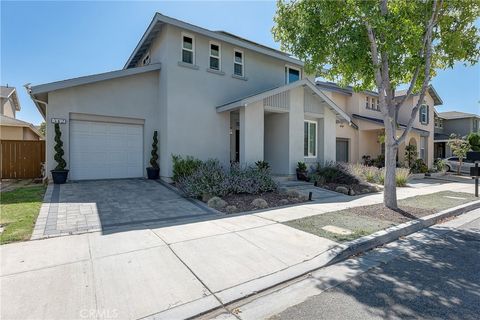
(284, 126)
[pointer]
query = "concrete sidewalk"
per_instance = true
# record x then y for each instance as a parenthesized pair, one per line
(170, 272)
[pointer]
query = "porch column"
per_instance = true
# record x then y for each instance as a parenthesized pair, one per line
(327, 137)
(296, 117)
(251, 133)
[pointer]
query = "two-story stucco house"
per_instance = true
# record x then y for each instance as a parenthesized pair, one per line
(362, 137)
(209, 94)
(12, 128)
(452, 122)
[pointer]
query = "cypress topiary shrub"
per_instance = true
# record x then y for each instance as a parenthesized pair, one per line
(59, 174)
(153, 172)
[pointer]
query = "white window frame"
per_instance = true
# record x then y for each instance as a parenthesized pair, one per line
(219, 55)
(423, 107)
(242, 64)
(188, 35)
(310, 154)
(367, 102)
(287, 68)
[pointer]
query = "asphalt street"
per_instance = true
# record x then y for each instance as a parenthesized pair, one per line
(440, 280)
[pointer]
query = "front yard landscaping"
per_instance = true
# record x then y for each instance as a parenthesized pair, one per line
(19, 211)
(349, 224)
(234, 189)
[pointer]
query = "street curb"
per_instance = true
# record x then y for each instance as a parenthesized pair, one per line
(334, 255)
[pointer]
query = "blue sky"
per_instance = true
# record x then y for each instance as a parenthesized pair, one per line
(43, 42)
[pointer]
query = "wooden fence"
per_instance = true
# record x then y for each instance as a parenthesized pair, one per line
(21, 159)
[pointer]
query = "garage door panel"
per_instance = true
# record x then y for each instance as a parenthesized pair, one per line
(101, 150)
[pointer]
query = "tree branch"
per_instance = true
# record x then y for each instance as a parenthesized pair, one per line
(427, 76)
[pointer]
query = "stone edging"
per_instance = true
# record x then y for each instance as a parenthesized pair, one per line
(334, 255)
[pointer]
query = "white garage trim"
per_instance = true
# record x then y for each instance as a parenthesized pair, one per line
(105, 150)
(103, 118)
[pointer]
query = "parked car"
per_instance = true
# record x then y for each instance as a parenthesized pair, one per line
(453, 164)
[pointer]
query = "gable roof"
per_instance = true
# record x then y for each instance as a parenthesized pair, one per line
(261, 95)
(10, 92)
(380, 122)
(12, 122)
(159, 20)
(331, 86)
(449, 115)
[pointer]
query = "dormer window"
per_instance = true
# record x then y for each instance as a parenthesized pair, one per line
(291, 74)
(214, 56)
(188, 49)
(238, 63)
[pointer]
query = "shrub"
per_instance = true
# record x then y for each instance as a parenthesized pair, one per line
(439, 165)
(154, 158)
(332, 173)
(208, 178)
(411, 154)
(184, 167)
(419, 167)
(379, 162)
(250, 180)
(260, 203)
(474, 140)
(262, 165)
(401, 176)
(301, 166)
(61, 164)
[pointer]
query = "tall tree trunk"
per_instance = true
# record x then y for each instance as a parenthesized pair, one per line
(390, 184)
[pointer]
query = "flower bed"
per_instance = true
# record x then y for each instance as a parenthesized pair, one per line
(233, 189)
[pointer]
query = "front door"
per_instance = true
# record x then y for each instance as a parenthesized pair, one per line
(342, 150)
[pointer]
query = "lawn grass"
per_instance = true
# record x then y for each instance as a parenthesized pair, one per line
(19, 211)
(366, 220)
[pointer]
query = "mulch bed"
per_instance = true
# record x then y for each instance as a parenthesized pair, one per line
(243, 202)
(404, 214)
(357, 188)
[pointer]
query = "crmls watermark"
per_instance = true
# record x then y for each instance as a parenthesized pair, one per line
(98, 314)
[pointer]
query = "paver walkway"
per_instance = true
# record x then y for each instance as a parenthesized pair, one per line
(107, 204)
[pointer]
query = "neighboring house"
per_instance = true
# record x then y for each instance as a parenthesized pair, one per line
(210, 94)
(362, 138)
(10, 127)
(452, 122)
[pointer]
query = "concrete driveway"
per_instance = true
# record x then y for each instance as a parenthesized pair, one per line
(106, 205)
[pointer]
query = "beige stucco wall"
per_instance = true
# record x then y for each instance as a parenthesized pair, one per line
(7, 108)
(345, 131)
(11, 133)
(28, 134)
(130, 97)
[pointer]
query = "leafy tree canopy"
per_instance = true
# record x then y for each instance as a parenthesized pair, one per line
(331, 37)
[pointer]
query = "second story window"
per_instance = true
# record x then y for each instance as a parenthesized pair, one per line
(214, 56)
(378, 105)
(238, 63)
(188, 49)
(475, 125)
(423, 114)
(292, 75)
(367, 102)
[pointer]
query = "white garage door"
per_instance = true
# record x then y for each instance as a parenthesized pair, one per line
(102, 150)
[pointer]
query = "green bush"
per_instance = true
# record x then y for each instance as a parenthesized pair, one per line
(419, 167)
(301, 166)
(474, 140)
(439, 165)
(411, 154)
(262, 165)
(61, 164)
(154, 158)
(334, 173)
(184, 167)
(376, 175)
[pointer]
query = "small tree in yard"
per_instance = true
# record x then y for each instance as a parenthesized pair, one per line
(61, 164)
(411, 154)
(459, 147)
(154, 153)
(381, 44)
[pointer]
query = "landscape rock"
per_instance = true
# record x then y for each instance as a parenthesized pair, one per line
(351, 192)
(217, 203)
(292, 193)
(230, 209)
(206, 197)
(341, 189)
(260, 203)
(283, 202)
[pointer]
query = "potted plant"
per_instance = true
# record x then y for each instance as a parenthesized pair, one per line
(59, 174)
(302, 171)
(153, 172)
